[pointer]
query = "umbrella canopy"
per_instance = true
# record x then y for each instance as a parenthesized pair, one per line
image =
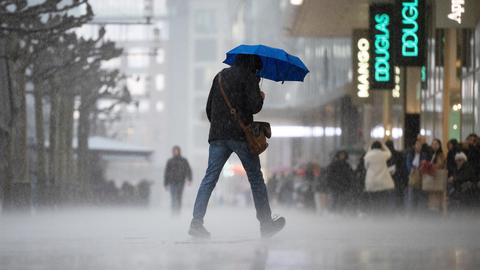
(278, 65)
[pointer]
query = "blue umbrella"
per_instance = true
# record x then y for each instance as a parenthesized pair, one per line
(278, 65)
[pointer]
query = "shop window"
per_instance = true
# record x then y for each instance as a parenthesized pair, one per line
(138, 58)
(137, 85)
(160, 82)
(160, 56)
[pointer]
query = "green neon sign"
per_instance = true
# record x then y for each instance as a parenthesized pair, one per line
(382, 47)
(410, 16)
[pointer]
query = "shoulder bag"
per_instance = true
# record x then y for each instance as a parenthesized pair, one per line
(256, 133)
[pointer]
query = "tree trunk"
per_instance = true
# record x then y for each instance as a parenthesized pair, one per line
(53, 144)
(7, 113)
(65, 144)
(83, 133)
(40, 139)
(17, 190)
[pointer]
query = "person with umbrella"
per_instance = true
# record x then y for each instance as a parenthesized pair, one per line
(237, 89)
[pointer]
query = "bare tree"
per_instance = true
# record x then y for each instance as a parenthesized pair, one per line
(25, 30)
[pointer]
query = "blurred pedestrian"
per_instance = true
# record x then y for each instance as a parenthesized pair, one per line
(309, 190)
(415, 157)
(464, 183)
(339, 181)
(177, 172)
(321, 190)
(453, 148)
(358, 186)
(273, 186)
(438, 161)
(398, 171)
(235, 87)
(287, 189)
(379, 184)
(143, 188)
(472, 150)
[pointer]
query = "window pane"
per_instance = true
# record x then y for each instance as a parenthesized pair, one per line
(160, 82)
(136, 84)
(138, 58)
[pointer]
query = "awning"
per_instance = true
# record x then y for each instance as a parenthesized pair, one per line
(112, 147)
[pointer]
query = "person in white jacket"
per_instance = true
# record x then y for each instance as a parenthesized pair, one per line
(379, 184)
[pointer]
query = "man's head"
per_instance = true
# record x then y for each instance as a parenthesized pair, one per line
(422, 139)
(342, 155)
(176, 151)
(460, 159)
(376, 145)
(472, 139)
(452, 143)
(249, 61)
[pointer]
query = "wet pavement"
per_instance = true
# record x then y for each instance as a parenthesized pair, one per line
(151, 239)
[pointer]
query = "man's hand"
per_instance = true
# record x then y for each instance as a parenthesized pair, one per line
(262, 94)
(189, 183)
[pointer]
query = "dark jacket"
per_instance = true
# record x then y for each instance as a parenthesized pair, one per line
(451, 165)
(241, 87)
(473, 155)
(400, 177)
(463, 175)
(177, 171)
(339, 176)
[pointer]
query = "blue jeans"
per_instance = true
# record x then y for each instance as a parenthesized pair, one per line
(219, 152)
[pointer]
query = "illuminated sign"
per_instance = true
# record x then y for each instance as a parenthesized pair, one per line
(396, 89)
(456, 10)
(456, 13)
(423, 78)
(381, 64)
(361, 59)
(409, 16)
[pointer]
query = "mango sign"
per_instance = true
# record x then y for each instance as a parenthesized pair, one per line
(361, 62)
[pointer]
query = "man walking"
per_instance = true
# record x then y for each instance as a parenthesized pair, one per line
(177, 172)
(240, 85)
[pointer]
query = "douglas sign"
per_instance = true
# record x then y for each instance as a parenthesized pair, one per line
(409, 38)
(381, 64)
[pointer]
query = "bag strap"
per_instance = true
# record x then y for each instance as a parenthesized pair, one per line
(233, 111)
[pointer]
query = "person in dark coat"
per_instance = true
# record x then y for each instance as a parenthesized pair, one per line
(241, 85)
(398, 170)
(453, 148)
(472, 150)
(463, 183)
(358, 186)
(339, 180)
(177, 172)
(285, 195)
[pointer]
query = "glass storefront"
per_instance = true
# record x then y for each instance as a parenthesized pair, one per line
(470, 82)
(464, 99)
